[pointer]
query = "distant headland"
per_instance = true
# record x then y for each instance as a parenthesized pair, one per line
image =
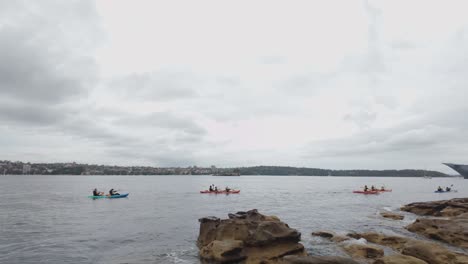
(72, 168)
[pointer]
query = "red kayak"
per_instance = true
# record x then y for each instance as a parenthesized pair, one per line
(220, 192)
(388, 190)
(367, 192)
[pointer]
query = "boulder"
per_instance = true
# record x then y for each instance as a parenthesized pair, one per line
(433, 253)
(399, 259)
(429, 252)
(453, 231)
(392, 215)
(451, 207)
(247, 236)
(223, 251)
(326, 234)
(330, 235)
(364, 251)
(316, 260)
(395, 242)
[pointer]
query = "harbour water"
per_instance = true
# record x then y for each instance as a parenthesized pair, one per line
(50, 219)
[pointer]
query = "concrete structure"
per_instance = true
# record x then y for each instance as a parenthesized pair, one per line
(460, 168)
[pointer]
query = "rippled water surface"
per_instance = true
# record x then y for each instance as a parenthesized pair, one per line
(50, 219)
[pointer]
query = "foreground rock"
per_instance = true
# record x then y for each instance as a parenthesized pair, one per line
(316, 260)
(330, 235)
(451, 207)
(428, 252)
(453, 231)
(392, 216)
(364, 251)
(399, 259)
(249, 237)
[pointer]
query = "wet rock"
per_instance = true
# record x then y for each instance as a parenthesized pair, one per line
(248, 236)
(433, 253)
(331, 235)
(399, 259)
(453, 231)
(316, 260)
(430, 252)
(393, 216)
(325, 234)
(451, 207)
(364, 251)
(223, 251)
(395, 242)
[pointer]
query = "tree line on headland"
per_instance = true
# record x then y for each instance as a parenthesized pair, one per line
(14, 168)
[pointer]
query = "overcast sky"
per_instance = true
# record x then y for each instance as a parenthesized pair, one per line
(328, 84)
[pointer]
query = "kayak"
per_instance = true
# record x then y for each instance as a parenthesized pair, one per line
(445, 191)
(388, 190)
(367, 192)
(220, 192)
(123, 195)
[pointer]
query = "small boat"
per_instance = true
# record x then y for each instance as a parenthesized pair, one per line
(123, 195)
(367, 192)
(220, 192)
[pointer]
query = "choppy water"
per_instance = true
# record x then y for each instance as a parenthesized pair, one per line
(49, 219)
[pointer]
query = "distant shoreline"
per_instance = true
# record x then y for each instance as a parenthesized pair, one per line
(188, 175)
(21, 168)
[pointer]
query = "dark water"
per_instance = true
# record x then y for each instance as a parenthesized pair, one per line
(49, 219)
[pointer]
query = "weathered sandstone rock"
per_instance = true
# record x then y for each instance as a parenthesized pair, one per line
(330, 235)
(395, 242)
(316, 260)
(399, 259)
(451, 207)
(430, 252)
(363, 251)
(247, 236)
(393, 216)
(453, 231)
(433, 253)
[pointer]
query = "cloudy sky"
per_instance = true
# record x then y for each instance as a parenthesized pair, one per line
(329, 84)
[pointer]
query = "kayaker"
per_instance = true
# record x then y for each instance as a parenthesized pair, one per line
(447, 189)
(382, 188)
(373, 188)
(216, 189)
(211, 188)
(113, 192)
(227, 189)
(96, 193)
(366, 188)
(439, 189)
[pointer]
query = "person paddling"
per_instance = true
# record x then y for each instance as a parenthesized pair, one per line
(366, 188)
(373, 188)
(439, 189)
(211, 188)
(447, 189)
(113, 192)
(97, 193)
(228, 189)
(382, 188)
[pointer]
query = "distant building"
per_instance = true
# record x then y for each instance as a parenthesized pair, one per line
(26, 169)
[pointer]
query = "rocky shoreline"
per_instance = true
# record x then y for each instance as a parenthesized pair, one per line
(253, 238)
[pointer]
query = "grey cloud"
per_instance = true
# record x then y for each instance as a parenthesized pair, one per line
(164, 120)
(159, 86)
(36, 64)
(29, 114)
(363, 118)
